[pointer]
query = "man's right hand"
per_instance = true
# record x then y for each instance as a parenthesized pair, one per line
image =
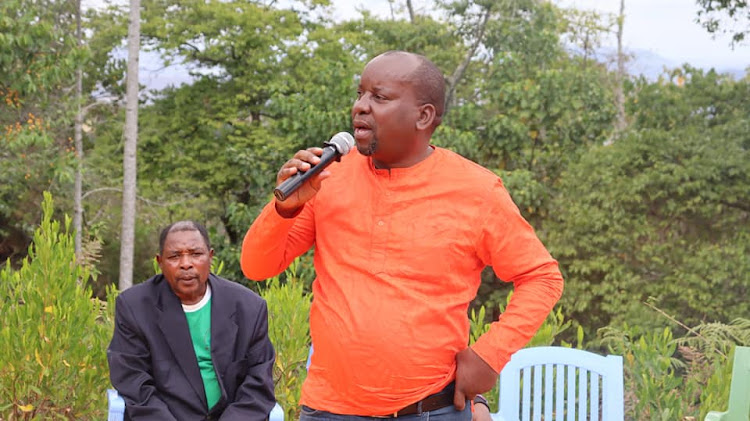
(303, 160)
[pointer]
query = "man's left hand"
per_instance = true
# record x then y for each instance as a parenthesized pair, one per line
(473, 375)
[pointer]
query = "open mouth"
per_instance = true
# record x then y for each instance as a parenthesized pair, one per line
(361, 129)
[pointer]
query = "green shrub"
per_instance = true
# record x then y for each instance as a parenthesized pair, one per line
(289, 330)
(674, 379)
(652, 385)
(53, 335)
(709, 348)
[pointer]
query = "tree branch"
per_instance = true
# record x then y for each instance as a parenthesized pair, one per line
(455, 78)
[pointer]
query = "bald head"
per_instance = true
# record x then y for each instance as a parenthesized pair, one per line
(427, 79)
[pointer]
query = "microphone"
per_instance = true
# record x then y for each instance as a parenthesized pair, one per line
(339, 145)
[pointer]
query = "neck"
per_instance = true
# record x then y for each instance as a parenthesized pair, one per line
(414, 159)
(194, 298)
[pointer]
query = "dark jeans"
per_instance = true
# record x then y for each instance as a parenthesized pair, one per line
(448, 413)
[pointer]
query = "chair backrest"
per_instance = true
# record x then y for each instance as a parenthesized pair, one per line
(739, 392)
(555, 383)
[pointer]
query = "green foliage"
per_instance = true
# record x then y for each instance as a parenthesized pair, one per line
(668, 378)
(651, 381)
(38, 58)
(663, 212)
(37, 47)
(28, 157)
(289, 330)
(53, 335)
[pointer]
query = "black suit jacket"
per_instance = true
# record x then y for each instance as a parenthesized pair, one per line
(153, 366)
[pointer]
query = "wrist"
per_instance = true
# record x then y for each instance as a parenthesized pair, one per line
(287, 213)
(479, 399)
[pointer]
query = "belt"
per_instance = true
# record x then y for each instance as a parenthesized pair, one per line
(433, 402)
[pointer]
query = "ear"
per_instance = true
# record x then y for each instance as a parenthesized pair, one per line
(158, 259)
(211, 254)
(426, 117)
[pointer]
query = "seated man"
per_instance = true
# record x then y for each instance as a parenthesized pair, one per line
(189, 345)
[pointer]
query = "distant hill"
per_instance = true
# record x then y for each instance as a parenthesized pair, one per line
(155, 76)
(652, 65)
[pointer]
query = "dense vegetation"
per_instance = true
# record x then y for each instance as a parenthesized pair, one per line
(651, 223)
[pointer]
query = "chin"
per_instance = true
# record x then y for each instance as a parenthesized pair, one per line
(367, 149)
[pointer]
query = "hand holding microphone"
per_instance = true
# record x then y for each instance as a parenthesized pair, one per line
(299, 179)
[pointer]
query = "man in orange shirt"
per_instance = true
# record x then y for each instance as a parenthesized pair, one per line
(402, 230)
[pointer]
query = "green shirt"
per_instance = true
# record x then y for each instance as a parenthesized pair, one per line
(199, 322)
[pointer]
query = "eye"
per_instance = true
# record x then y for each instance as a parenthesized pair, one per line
(173, 257)
(197, 253)
(359, 94)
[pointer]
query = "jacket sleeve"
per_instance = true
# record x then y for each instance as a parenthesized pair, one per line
(273, 242)
(130, 368)
(508, 243)
(255, 398)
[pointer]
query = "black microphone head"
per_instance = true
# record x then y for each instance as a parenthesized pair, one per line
(343, 142)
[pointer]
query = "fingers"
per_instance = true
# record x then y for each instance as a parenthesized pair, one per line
(459, 399)
(303, 160)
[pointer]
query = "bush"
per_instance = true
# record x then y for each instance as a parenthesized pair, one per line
(53, 336)
(289, 330)
(675, 379)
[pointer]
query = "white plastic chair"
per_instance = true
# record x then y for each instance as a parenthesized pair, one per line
(555, 383)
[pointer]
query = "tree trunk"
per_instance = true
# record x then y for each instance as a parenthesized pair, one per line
(411, 10)
(77, 137)
(620, 122)
(127, 238)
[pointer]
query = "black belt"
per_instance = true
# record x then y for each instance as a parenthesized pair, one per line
(433, 402)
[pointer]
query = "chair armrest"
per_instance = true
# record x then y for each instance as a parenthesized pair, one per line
(715, 416)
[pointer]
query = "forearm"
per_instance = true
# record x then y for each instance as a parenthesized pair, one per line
(272, 242)
(255, 397)
(529, 306)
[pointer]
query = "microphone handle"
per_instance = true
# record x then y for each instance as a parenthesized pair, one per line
(291, 184)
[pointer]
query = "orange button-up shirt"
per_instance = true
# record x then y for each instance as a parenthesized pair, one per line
(398, 257)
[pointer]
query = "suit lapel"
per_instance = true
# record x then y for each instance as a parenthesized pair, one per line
(173, 325)
(223, 325)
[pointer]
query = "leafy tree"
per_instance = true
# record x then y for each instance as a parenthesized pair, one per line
(38, 57)
(712, 11)
(662, 213)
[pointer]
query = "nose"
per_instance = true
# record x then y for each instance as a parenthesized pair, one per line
(361, 105)
(186, 261)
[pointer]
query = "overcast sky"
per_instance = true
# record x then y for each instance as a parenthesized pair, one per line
(659, 33)
(666, 28)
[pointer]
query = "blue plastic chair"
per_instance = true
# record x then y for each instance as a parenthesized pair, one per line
(116, 410)
(116, 406)
(554, 383)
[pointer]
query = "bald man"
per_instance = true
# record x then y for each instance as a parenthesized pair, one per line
(402, 230)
